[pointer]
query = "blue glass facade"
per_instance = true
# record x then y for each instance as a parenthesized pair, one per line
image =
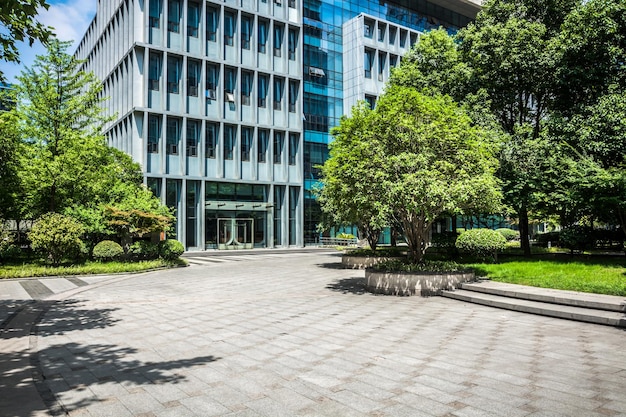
(323, 71)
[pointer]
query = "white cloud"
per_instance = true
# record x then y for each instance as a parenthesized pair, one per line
(69, 18)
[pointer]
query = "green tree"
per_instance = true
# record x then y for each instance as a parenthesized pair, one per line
(11, 191)
(60, 120)
(433, 161)
(350, 192)
(17, 24)
(511, 52)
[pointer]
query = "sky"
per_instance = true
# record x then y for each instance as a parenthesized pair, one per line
(69, 18)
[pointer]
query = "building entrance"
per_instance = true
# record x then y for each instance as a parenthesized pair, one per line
(235, 233)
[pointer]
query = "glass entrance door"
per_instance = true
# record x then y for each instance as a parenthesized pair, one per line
(235, 233)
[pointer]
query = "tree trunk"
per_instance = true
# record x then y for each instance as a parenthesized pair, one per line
(524, 230)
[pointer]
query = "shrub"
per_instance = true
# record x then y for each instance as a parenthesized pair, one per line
(396, 265)
(345, 236)
(508, 234)
(107, 250)
(577, 238)
(170, 249)
(381, 252)
(143, 250)
(482, 243)
(57, 236)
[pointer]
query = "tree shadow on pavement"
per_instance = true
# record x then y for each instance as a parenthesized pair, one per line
(69, 376)
(349, 286)
(331, 265)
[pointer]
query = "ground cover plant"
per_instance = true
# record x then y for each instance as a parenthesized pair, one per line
(601, 275)
(27, 269)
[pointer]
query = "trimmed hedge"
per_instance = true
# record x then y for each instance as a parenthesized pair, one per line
(508, 234)
(482, 243)
(170, 249)
(107, 250)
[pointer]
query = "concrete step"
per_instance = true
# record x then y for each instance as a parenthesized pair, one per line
(547, 295)
(589, 315)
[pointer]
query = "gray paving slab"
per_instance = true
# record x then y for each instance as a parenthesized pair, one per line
(290, 334)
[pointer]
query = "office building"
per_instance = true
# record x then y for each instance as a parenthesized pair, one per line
(227, 105)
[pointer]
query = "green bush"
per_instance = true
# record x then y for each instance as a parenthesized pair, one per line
(345, 236)
(482, 243)
(143, 250)
(509, 234)
(170, 249)
(107, 250)
(397, 265)
(577, 238)
(380, 251)
(56, 236)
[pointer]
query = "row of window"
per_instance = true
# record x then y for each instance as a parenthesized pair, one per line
(229, 24)
(380, 28)
(245, 83)
(247, 142)
(383, 57)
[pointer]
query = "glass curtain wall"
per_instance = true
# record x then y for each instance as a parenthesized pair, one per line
(323, 69)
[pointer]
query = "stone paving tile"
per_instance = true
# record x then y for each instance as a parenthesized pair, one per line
(259, 338)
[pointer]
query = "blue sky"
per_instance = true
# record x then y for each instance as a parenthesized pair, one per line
(69, 18)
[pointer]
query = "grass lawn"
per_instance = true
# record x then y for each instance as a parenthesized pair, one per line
(40, 269)
(601, 275)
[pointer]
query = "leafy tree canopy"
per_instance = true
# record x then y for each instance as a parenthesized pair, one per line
(17, 24)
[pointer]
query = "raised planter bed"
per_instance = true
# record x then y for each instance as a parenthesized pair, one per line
(361, 262)
(413, 283)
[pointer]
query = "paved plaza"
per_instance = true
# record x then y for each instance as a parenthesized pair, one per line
(291, 334)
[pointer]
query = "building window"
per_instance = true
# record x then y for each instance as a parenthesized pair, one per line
(294, 142)
(193, 76)
(279, 195)
(155, 14)
(229, 141)
(154, 133)
(211, 133)
(368, 62)
(193, 133)
(368, 28)
(292, 4)
(262, 35)
(173, 136)
(246, 30)
(381, 32)
(263, 82)
(294, 88)
(403, 34)
(392, 34)
(393, 61)
(292, 43)
(278, 92)
(278, 39)
(294, 197)
(381, 65)
(154, 72)
(279, 140)
(246, 87)
(212, 19)
(173, 75)
(246, 143)
(212, 78)
(230, 80)
(229, 28)
(262, 143)
(173, 16)
(371, 100)
(193, 19)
